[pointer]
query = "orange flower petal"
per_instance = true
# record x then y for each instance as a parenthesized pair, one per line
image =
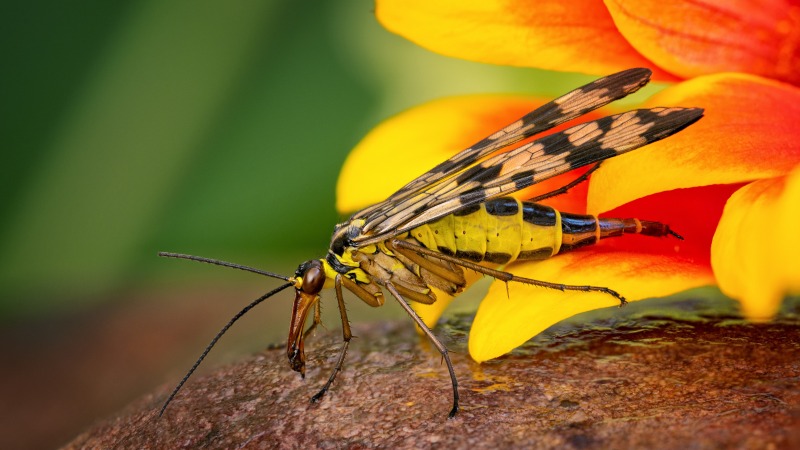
(692, 38)
(754, 253)
(511, 314)
(577, 36)
(749, 132)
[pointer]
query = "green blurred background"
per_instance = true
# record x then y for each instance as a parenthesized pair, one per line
(211, 128)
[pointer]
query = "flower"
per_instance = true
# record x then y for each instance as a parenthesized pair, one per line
(729, 183)
(678, 39)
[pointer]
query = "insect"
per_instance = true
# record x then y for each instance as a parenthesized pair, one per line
(458, 216)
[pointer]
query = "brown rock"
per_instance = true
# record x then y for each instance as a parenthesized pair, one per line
(639, 382)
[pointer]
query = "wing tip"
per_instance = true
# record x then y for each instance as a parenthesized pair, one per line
(640, 74)
(692, 115)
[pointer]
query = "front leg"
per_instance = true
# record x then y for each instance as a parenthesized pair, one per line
(317, 320)
(346, 335)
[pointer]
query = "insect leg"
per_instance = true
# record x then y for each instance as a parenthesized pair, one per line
(346, 335)
(434, 340)
(506, 276)
(454, 276)
(317, 320)
(566, 187)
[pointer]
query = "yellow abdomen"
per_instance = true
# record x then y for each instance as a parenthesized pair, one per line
(497, 231)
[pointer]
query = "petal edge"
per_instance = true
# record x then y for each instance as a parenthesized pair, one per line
(505, 322)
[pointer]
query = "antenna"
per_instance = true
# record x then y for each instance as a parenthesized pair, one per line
(216, 338)
(218, 262)
(233, 320)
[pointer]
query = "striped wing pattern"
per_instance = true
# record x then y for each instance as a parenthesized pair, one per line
(466, 182)
(567, 107)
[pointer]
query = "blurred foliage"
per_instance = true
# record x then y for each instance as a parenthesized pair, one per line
(212, 128)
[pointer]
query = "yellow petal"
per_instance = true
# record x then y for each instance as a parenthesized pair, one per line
(430, 314)
(506, 319)
(749, 132)
(754, 251)
(408, 144)
(575, 36)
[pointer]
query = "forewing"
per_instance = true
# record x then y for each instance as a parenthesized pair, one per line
(539, 160)
(567, 107)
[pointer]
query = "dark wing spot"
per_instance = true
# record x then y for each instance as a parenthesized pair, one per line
(479, 173)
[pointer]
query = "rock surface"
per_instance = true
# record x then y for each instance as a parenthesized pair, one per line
(644, 382)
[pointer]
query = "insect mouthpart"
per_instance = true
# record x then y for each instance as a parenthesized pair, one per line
(297, 357)
(310, 279)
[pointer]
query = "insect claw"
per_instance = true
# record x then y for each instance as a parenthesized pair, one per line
(453, 412)
(674, 234)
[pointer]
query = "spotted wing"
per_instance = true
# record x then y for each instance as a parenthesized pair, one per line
(567, 107)
(536, 161)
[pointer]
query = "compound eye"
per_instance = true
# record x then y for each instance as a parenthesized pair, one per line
(313, 280)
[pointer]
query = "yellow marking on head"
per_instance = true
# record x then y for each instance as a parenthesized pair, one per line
(297, 282)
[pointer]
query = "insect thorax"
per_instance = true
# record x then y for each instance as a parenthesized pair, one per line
(379, 264)
(339, 259)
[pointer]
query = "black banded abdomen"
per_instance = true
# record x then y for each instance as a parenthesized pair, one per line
(578, 230)
(497, 231)
(503, 230)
